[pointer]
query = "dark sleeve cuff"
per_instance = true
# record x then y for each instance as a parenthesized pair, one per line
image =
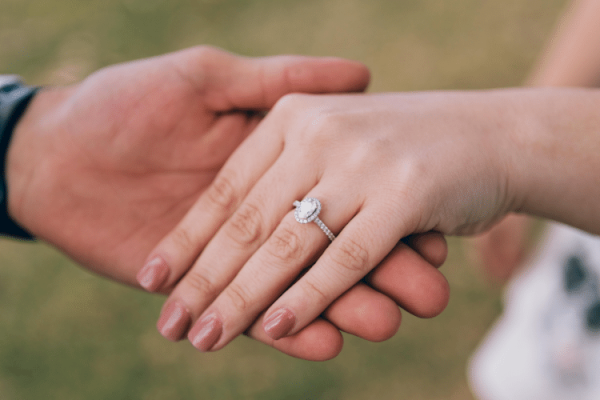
(14, 99)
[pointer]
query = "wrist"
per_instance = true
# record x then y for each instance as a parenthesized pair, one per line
(28, 152)
(520, 125)
(495, 121)
(556, 149)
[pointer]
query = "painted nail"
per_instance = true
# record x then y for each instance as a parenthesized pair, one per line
(279, 324)
(206, 333)
(152, 276)
(174, 321)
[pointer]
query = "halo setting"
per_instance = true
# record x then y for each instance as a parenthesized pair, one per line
(307, 211)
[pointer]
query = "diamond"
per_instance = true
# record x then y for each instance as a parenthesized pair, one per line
(307, 210)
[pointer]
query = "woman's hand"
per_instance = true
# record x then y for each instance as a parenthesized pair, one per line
(383, 167)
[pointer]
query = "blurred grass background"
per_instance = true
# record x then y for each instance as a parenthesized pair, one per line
(68, 335)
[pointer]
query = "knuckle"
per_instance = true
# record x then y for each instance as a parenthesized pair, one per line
(316, 294)
(325, 120)
(350, 256)
(245, 226)
(285, 245)
(289, 103)
(183, 239)
(322, 126)
(222, 192)
(239, 296)
(204, 55)
(204, 50)
(201, 284)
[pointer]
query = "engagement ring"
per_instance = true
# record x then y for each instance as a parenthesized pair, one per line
(307, 211)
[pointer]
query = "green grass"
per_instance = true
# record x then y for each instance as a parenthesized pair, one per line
(69, 335)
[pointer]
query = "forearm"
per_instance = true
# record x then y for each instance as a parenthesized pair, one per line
(572, 57)
(555, 168)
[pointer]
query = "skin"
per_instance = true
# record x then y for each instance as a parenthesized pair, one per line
(501, 250)
(105, 168)
(384, 166)
(572, 59)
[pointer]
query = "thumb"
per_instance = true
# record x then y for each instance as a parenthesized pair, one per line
(232, 82)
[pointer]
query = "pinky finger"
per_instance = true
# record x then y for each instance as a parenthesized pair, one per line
(432, 246)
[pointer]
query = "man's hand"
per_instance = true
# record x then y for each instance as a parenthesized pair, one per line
(104, 169)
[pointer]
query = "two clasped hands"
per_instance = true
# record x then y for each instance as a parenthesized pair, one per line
(178, 173)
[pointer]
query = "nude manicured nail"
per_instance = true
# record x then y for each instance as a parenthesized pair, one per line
(154, 273)
(174, 322)
(279, 324)
(206, 333)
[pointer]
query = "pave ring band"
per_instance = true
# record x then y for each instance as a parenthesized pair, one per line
(307, 211)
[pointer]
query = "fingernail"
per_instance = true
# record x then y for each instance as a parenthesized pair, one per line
(153, 274)
(280, 323)
(174, 322)
(205, 334)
